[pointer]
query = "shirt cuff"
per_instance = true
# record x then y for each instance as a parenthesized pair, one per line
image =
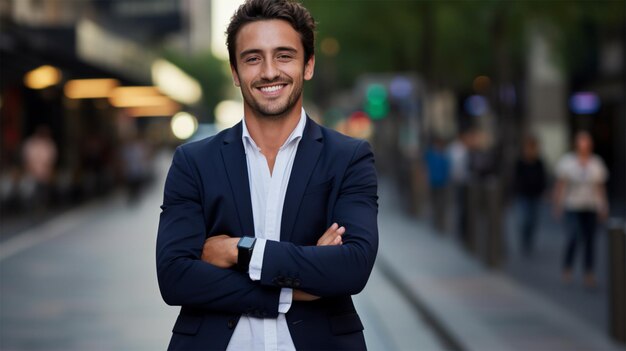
(256, 261)
(284, 302)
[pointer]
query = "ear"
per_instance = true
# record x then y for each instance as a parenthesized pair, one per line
(309, 68)
(233, 70)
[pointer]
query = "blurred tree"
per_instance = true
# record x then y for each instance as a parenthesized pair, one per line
(451, 42)
(210, 72)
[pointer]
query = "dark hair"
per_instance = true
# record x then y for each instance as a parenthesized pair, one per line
(258, 10)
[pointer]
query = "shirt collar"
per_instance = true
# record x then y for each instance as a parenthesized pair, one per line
(296, 134)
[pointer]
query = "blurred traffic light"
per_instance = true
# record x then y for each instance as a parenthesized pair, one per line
(376, 101)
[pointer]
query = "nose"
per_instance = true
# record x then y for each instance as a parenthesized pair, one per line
(269, 70)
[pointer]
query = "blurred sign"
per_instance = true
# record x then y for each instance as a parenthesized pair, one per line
(401, 88)
(584, 103)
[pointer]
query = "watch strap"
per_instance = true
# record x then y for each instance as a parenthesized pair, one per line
(245, 247)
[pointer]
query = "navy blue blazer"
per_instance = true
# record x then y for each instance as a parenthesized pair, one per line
(207, 193)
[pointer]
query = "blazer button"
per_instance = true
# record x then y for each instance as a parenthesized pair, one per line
(296, 283)
(288, 282)
(232, 324)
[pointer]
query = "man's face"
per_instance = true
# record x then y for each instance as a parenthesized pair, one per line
(270, 67)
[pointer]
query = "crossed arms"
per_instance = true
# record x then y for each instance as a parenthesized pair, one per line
(335, 267)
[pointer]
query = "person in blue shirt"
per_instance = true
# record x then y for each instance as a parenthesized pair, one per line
(438, 168)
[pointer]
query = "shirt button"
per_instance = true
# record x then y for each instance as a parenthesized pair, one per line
(231, 324)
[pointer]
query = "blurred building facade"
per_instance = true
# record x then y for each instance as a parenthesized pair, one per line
(61, 63)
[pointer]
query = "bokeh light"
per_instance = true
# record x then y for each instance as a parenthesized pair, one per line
(184, 125)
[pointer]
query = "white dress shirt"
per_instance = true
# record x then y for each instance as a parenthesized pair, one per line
(267, 192)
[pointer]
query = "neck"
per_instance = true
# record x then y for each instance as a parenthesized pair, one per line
(583, 156)
(270, 133)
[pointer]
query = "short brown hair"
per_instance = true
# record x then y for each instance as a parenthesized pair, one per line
(258, 10)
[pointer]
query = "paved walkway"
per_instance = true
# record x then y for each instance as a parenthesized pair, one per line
(86, 280)
(542, 270)
(479, 309)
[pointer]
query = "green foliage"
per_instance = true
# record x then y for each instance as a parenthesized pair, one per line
(451, 42)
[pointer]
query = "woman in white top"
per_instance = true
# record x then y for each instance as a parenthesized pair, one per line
(580, 193)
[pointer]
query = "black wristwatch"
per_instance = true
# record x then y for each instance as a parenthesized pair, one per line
(245, 246)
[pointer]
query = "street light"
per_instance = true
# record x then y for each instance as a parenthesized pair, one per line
(183, 125)
(42, 77)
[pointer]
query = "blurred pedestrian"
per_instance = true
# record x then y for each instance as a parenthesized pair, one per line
(459, 161)
(438, 168)
(39, 157)
(530, 183)
(135, 158)
(580, 193)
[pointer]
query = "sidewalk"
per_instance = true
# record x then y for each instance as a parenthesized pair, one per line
(477, 308)
(542, 270)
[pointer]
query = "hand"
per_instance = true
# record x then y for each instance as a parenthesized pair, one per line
(332, 236)
(220, 251)
(299, 295)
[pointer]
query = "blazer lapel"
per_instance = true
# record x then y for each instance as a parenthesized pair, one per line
(308, 152)
(234, 157)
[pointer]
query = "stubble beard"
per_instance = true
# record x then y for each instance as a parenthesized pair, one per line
(273, 109)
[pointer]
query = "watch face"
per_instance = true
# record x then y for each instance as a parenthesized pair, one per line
(246, 242)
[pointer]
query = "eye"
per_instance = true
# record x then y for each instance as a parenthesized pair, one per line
(285, 57)
(252, 59)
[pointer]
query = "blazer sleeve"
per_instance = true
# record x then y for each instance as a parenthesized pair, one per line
(184, 279)
(334, 270)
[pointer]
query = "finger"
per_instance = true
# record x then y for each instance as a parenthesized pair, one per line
(335, 237)
(333, 227)
(327, 237)
(331, 238)
(325, 240)
(337, 240)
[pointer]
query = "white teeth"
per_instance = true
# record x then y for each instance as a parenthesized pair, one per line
(271, 89)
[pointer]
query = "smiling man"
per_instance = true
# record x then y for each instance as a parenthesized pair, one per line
(269, 227)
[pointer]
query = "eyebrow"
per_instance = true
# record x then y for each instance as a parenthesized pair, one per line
(256, 51)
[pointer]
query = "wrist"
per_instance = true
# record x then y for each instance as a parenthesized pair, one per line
(245, 247)
(234, 251)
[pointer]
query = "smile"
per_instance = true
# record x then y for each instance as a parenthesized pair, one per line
(272, 88)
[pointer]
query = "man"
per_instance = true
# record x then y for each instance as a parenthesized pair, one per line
(530, 182)
(269, 227)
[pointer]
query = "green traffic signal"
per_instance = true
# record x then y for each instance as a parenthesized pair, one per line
(376, 102)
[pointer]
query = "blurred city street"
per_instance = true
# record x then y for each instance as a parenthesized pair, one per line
(85, 280)
(500, 152)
